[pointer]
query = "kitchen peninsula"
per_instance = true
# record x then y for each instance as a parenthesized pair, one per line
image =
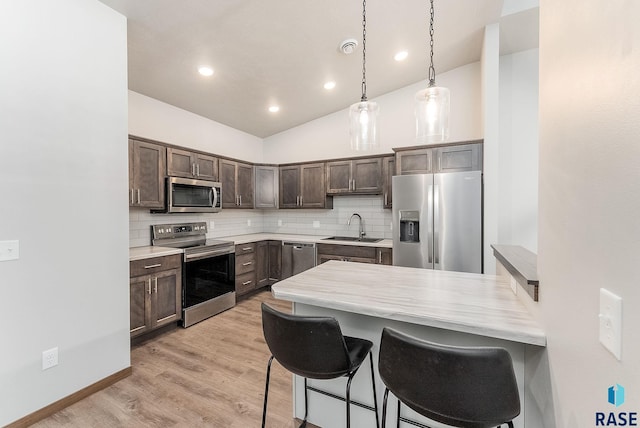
(446, 307)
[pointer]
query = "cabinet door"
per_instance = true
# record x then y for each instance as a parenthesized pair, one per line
(419, 161)
(385, 256)
(166, 302)
(313, 193)
(139, 301)
(262, 264)
(228, 181)
(339, 178)
(147, 169)
(266, 187)
(244, 185)
(388, 171)
(275, 261)
(289, 186)
(206, 167)
(180, 163)
(367, 175)
(466, 157)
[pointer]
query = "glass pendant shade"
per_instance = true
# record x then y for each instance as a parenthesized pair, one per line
(432, 115)
(363, 125)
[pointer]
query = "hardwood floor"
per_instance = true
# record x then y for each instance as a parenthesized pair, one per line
(209, 375)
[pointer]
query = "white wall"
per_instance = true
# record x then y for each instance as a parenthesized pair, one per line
(490, 121)
(589, 232)
(163, 122)
(328, 137)
(518, 151)
(63, 169)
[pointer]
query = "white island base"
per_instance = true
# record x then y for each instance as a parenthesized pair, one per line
(443, 307)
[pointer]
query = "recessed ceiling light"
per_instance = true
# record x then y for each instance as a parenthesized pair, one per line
(205, 71)
(401, 56)
(274, 109)
(330, 85)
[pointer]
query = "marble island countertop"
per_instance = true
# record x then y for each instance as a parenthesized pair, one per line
(465, 302)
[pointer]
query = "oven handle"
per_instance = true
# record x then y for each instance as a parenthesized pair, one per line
(205, 254)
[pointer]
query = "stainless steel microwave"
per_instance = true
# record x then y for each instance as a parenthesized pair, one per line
(186, 195)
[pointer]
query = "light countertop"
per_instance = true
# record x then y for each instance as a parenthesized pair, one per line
(465, 302)
(141, 253)
(318, 239)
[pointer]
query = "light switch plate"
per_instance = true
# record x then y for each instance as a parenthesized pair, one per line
(316, 224)
(9, 250)
(611, 322)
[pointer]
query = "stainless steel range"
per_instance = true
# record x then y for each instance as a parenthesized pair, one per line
(208, 269)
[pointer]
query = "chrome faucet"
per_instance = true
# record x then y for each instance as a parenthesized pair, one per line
(361, 231)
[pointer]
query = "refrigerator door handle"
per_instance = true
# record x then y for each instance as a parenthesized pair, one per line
(429, 229)
(436, 225)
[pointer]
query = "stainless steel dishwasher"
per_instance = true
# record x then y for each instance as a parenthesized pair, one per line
(297, 257)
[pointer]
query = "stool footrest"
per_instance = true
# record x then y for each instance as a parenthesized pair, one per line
(338, 397)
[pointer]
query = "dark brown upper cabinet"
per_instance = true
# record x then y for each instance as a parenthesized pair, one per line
(448, 158)
(303, 186)
(236, 179)
(388, 171)
(147, 170)
(184, 163)
(355, 176)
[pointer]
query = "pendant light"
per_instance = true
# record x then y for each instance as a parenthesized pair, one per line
(432, 105)
(363, 116)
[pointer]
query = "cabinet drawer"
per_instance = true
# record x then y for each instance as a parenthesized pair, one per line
(347, 251)
(154, 265)
(245, 248)
(245, 263)
(245, 283)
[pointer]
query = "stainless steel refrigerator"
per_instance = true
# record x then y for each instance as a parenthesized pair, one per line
(437, 221)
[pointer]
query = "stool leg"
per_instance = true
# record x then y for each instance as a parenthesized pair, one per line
(398, 418)
(384, 407)
(373, 385)
(266, 392)
(348, 399)
(306, 405)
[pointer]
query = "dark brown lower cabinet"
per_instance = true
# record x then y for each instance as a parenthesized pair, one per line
(155, 292)
(268, 262)
(353, 253)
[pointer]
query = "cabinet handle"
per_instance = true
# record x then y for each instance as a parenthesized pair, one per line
(149, 288)
(379, 256)
(246, 249)
(301, 201)
(247, 263)
(240, 198)
(155, 287)
(297, 201)
(132, 201)
(385, 199)
(138, 195)
(153, 266)
(439, 163)
(193, 169)
(247, 282)
(430, 161)
(198, 170)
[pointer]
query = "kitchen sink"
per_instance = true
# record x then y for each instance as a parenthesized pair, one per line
(351, 239)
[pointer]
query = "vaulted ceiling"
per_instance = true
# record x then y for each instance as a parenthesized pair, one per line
(281, 52)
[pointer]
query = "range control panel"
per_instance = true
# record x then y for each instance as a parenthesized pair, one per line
(163, 231)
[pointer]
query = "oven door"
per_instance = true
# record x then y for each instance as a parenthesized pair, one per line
(208, 287)
(185, 195)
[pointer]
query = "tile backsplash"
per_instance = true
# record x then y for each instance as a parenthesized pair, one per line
(230, 221)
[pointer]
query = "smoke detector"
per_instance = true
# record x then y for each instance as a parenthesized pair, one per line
(348, 46)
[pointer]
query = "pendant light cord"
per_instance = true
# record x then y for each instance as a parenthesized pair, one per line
(432, 70)
(364, 51)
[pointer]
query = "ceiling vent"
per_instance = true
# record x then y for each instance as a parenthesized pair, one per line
(348, 46)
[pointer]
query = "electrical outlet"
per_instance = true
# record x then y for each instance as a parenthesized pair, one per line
(279, 223)
(611, 322)
(248, 222)
(49, 358)
(211, 225)
(9, 250)
(316, 224)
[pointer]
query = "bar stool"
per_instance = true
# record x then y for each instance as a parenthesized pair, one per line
(314, 348)
(472, 387)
